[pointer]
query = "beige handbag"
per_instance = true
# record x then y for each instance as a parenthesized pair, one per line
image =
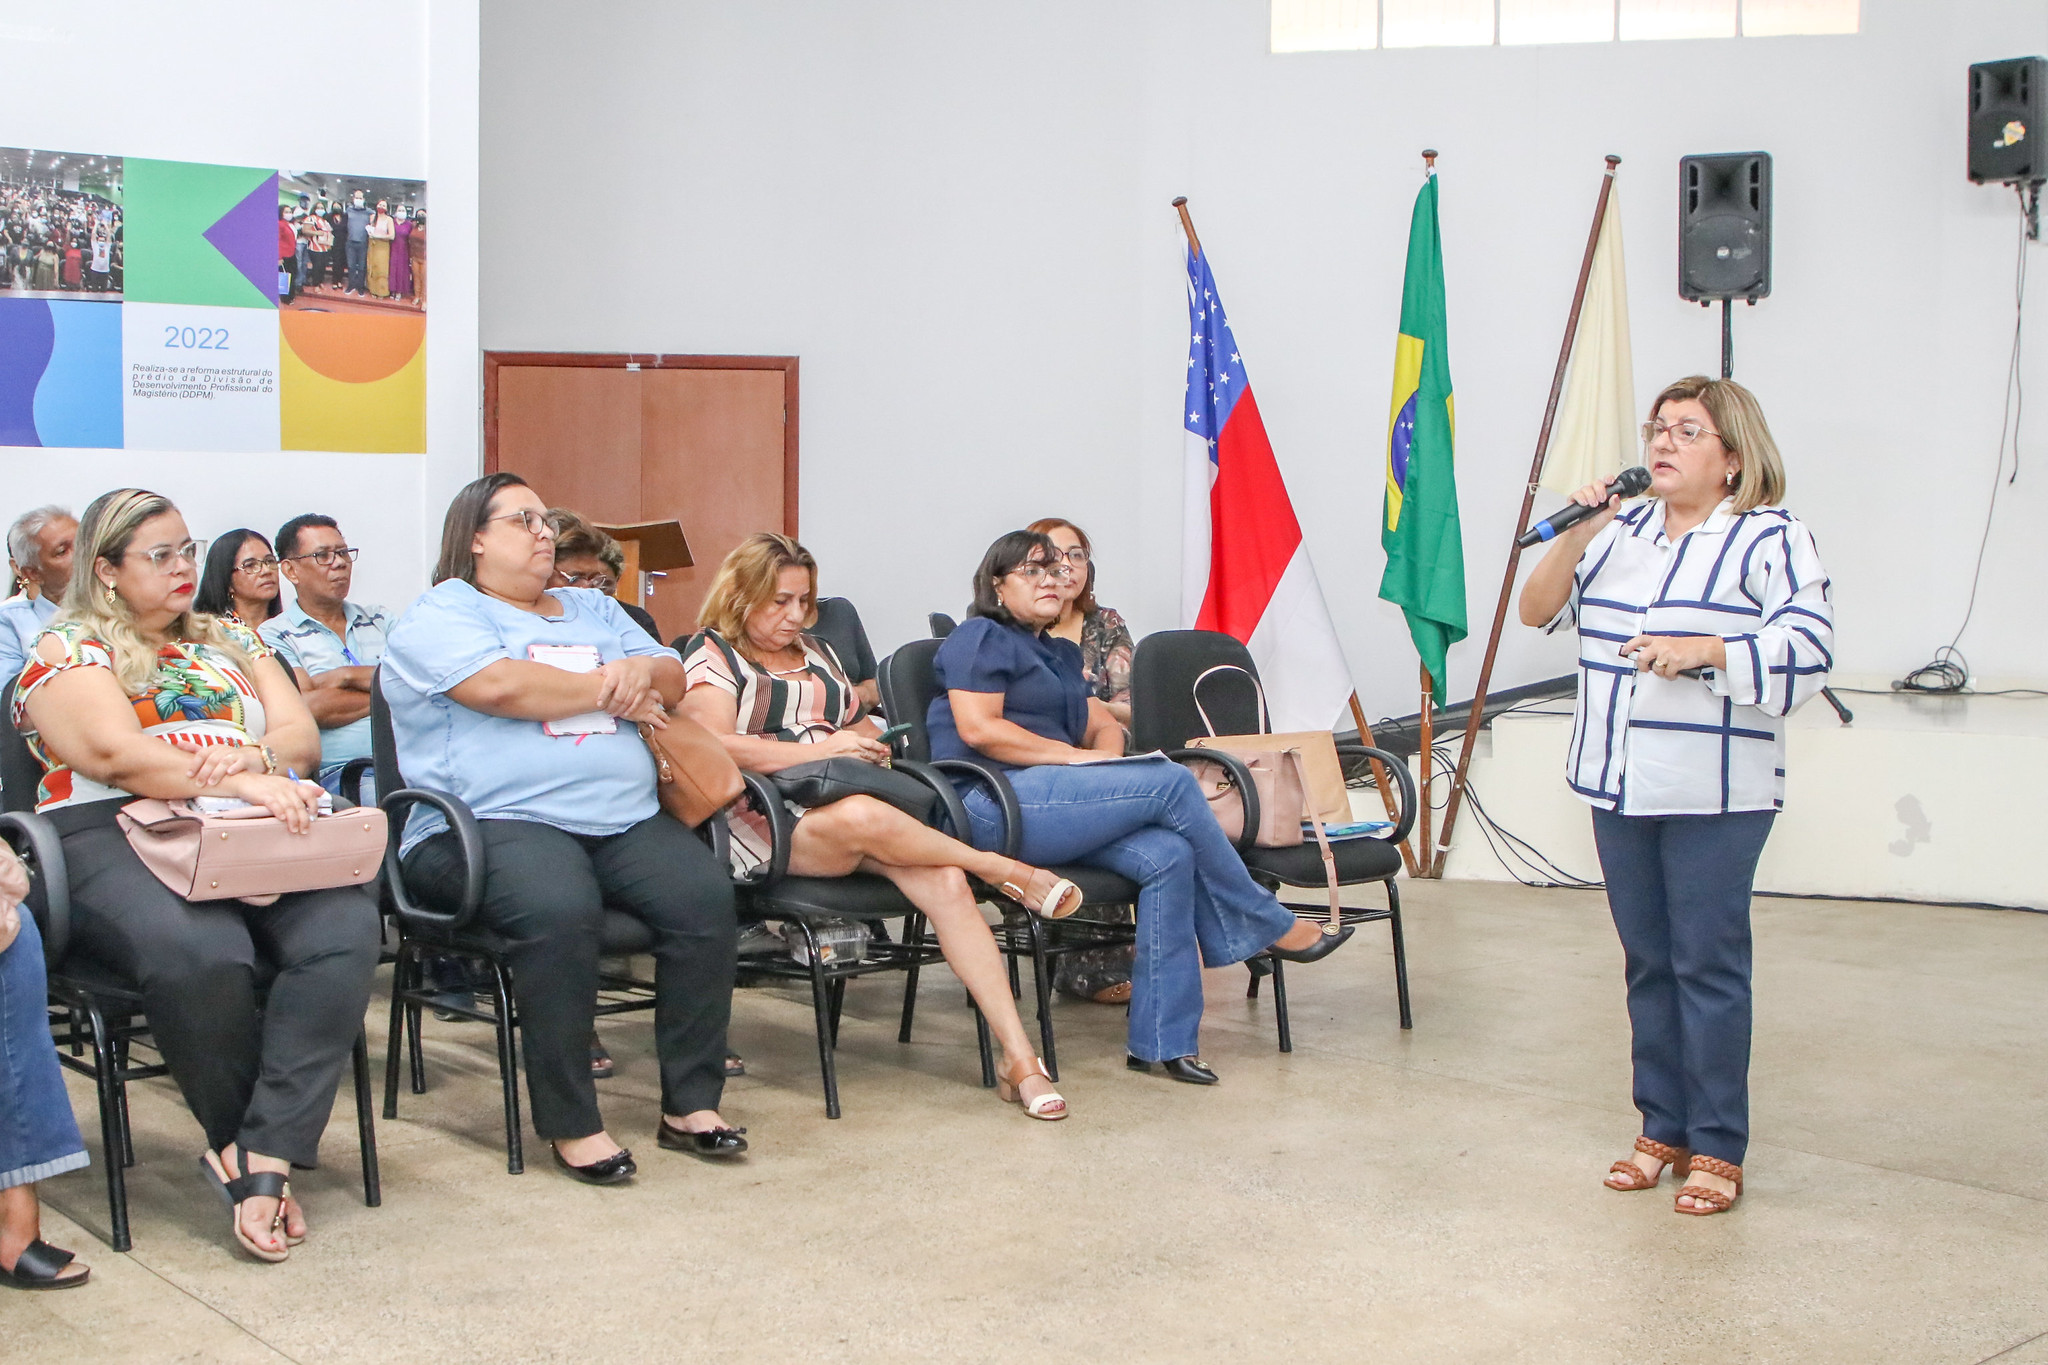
(694, 777)
(1296, 775)
(249, 854)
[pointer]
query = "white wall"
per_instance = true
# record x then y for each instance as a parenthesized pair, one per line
(216, 81)
(958, 217)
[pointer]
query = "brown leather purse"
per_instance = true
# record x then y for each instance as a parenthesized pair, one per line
(694, 777)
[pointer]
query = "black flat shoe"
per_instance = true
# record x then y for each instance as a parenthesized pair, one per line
(719, 1144)
(1324, 945)
(1190, 1069)
(41, 1266)
(613, 1169)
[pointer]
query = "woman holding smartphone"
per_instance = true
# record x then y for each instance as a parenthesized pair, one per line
(777, 697)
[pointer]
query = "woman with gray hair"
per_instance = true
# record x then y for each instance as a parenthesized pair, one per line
(39, 543)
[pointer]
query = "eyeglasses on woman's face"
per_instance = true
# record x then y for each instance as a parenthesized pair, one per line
(164, 558)
(255, 564)
(603, 582)
(1076, 557)
(1681, 433)
(1037, 572)
(534, 523)
(325, 556)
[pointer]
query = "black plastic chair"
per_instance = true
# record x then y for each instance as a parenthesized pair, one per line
(1163, 715)
(1109, 902)
(427, 932)
(93, 1004)
(770, 894)
(941, 624)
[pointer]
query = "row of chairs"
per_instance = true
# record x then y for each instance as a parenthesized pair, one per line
(88, 1005)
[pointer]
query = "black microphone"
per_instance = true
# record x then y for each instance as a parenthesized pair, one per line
(1629, 483)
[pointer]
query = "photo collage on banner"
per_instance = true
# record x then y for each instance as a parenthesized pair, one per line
(181, 306)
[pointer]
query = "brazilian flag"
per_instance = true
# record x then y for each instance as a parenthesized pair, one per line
(1425, 574)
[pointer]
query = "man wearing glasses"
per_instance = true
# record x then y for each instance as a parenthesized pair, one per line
(332, 645)
(40, 544)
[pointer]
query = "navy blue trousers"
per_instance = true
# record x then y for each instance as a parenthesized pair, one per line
(1679, 888)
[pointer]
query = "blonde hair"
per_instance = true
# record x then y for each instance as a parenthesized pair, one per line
(105, 532)
(1739, 419)
(746, 582)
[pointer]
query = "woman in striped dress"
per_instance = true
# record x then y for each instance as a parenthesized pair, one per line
(1704, 620)
(777, 697)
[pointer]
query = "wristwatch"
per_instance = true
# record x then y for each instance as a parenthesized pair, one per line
(269, 759)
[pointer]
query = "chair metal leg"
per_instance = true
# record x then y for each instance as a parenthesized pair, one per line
(415, 1045)
(1400, 955)
(121, 1094)
(1280, 1005)
(508, 1070)
(396, 1040)
(988, 1055)
(838, 1000)
(1251, 988)
(1041, 980)
(78, 1034)
(913, 938)
(366, 1123)
(1016, 981)
(112, 1140)
(827, 1034)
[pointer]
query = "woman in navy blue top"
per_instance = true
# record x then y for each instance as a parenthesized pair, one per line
(1015, 697)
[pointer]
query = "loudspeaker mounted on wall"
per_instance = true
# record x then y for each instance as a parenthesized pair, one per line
(2006, 124)
(1724, 226)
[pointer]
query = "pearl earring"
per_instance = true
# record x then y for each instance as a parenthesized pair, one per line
(1730, 480)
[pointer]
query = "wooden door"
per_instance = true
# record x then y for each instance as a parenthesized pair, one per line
(707, 440)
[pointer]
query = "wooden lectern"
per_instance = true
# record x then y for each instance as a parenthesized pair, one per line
(651, 547)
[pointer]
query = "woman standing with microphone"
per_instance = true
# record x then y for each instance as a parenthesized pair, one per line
(1704, 620)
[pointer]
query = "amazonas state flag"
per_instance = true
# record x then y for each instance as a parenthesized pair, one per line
(1425, 574)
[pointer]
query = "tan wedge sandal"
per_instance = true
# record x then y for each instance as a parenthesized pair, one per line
(1010, 1090)
(1055, 901)
(1634, 1178)
(1715, 1200)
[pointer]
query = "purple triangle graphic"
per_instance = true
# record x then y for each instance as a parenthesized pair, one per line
(247, 235)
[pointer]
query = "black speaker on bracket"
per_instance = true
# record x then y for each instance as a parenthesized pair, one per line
(2007, 130)
(1724, 226)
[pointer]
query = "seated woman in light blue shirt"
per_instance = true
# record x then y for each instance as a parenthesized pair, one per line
(523, 702)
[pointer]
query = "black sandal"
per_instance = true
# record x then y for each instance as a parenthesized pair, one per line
(41, 1266)
(734, 1066)
(244, 1187)
(601, 1067)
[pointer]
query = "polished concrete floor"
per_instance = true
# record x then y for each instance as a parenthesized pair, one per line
(1431, 1196)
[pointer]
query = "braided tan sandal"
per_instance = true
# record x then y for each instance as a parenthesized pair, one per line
(1633, 1177)
(1715, 1201)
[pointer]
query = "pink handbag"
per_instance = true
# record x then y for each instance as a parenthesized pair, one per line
(248, 854)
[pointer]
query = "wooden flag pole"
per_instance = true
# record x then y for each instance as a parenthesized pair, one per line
(1408, 855)
(1426, 717)
(1438, 855)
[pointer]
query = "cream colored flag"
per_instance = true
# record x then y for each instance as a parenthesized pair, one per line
(1597, 421)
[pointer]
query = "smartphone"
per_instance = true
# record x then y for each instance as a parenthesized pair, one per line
(894, 733)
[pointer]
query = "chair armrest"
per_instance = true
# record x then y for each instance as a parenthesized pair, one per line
(1239, 774)
(781, 830)
(396, 806)
(36, 840)
(1402, 778)
(950, 807)
(991, 780)
(351, 781)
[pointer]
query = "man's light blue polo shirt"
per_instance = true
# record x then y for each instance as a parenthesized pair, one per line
(302, 642)
(21, 620)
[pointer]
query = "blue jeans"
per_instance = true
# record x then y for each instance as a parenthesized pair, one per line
(1197, 906)
(38, 1135)
(1679, 889)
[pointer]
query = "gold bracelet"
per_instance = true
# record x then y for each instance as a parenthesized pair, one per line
(269, 759)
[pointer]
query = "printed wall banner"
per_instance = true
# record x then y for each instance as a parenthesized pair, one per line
(188, 307)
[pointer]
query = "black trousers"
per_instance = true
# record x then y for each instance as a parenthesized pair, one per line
(1679, 889)
(265, 1078)
(545, 893)
(358, 254)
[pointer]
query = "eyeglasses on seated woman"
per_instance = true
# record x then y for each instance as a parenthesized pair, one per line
(523, 701)
(1015, 695)
(133, 692)
(778, 697)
